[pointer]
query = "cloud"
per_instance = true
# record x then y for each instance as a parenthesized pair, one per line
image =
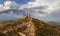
(8, 5)
(37, 11)
(41, 9)
(50, 4)
(12, 6)
(55, 13)
(52, 9)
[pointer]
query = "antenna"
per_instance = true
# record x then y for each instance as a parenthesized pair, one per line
(27, 13)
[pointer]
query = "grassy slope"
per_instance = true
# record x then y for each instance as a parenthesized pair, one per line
(42, 28)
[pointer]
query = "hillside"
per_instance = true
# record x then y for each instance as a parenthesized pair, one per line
(28, 26)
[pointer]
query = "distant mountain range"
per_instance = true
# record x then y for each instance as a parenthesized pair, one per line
(54, 23)
(28, 26)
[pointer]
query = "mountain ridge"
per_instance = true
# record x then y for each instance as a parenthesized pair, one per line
(29, 27)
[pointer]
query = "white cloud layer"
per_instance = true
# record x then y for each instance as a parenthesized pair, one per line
(49, 8)
(8, 5)
(50, 4)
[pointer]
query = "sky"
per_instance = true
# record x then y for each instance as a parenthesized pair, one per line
(46, 10)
